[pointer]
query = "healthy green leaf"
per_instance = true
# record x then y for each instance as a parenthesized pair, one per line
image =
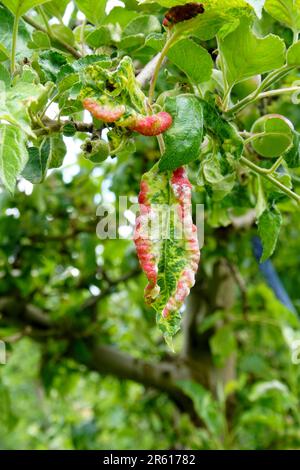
(20, 7)
(245, 55)
(6, 25)
(4, 53)
(36, 167)
(143, 24)
(13, 155)
(292, 157)
(56, 8)
(184, 138)
(58, 151)
(218, 176)
(94, 10)
(5, 75)
(285, 11)
(120, 16)
(51, 63)
(63, 33)
(192, 59)
(223, 344)
(206, 407)
(269, 225)
(39, 40)
(220, 16)
(224, 133)
(293, 55)
(102, 36)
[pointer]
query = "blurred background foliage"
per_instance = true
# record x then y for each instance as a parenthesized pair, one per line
(63, 290)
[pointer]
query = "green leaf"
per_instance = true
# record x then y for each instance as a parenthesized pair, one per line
(36, 167)
(293, 54)
(223, 344)
(143, 24)
(51, 63)
(5, 75)
(188, 56)
(4, 53)
(184, 138)
(132, 42)
(206, 407)
(20, 7)
(224, 133)
(68, 82)
(56, 7)
(269, 225)
(39, 40)
(49, 155)
(94, 10)
(120, 16)
(192, 59)
(220, 16)
(218, 176)
(101, 36)
(58, 151)
(13, 155)
(292, 157)
(63, 33)
(6, 22)
(245, 55)
(13, 110)
(165, 3)
(285, 11)
(18, 99)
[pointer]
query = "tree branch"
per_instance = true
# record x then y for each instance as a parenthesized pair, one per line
(163, 376)
(52, 126)
(146, 73)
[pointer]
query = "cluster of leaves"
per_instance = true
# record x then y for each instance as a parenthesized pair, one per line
(51, 260)
(226, 76)
(64, 64)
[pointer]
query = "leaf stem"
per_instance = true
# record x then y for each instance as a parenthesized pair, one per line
(46, 22)
(258, 93)
(272, 179)
(158, 65)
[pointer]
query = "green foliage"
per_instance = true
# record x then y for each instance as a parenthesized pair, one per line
(93, 10)
(286, 11)
(245, 55)
(20, 7)
(12, 144)
(269, 227)
(226, 77)
(180, 150)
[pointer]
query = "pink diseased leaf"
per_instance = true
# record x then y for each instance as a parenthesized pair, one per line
(167, 244)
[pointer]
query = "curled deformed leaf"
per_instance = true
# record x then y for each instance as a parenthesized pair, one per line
(167, 244)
